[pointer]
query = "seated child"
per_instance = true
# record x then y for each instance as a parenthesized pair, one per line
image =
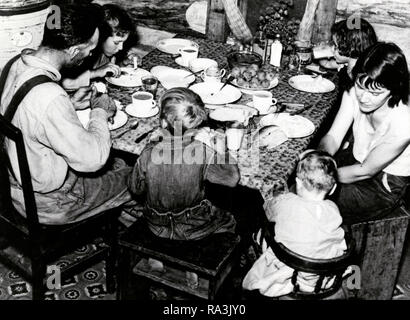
(171, 173)
(116, 33)
(306, 223)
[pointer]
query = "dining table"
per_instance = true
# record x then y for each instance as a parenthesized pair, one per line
(266, 169)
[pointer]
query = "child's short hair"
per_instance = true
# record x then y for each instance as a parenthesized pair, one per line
(353, 40)
(182, 107)
(318, 171)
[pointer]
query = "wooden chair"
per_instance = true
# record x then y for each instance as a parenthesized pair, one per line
(324, 268)
(43, 245)
(211, 259)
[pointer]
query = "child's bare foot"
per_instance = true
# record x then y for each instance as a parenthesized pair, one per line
(192, 279)
(156, 265)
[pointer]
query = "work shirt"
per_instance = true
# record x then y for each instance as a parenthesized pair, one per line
(53, 135)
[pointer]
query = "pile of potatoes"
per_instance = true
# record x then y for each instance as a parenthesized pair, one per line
(253, 77)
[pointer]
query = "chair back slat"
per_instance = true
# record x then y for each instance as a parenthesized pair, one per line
(306, 264)
(321, 267)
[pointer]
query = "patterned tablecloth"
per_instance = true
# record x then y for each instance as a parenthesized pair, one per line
(262, 169)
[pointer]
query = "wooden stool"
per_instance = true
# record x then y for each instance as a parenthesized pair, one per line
(211, 259)
(380, 246)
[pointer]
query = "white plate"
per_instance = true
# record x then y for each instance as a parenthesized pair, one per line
(272, 109)
(171, 78)
(137, 113)
(172, 45)
(131, 79)
(272, 85)
(311, 84)
(229, 114)
(205, 90)
(120, 118)
(252, 111)
(294, 126)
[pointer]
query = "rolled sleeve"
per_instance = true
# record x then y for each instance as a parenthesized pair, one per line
(83, 80)
(84, 150)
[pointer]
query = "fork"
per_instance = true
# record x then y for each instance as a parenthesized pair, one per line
(131, 127)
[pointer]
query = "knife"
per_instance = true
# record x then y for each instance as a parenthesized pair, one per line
(300, 111)
(291, 104)
(144, 135)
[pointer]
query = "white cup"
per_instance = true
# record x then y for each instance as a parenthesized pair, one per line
(324, 51)
(213, 74)
(143, 102)
(234, 137)
(188, 54)
(263, 101)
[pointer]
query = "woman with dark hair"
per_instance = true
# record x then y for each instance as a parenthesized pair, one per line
(350, 39)
(115, 31)
(374, 171)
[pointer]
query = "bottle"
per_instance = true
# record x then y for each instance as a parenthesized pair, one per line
(267, 53)
(276, 52)
(259, 43)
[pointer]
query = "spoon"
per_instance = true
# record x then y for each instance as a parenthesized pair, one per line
(228, 81)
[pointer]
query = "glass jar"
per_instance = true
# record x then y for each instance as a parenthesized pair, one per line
(304, 52)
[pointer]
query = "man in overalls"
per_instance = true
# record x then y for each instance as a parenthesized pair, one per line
(71, 176)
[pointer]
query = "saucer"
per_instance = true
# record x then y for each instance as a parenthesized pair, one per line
(272, 109)
(132, 112)
(179, 62)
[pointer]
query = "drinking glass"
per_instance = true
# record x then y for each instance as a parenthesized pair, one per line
(150, 84)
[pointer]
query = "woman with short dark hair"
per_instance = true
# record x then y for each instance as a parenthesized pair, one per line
(375, 171)
(350, 39)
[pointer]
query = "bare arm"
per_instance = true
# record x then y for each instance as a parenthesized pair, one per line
(378, 159)
(329, 63)
(333, 139)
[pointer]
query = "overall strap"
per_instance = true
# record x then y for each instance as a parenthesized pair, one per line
(22, 92)
(15, 102)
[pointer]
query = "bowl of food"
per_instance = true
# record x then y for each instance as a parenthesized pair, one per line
(255, 78)
(244, 59)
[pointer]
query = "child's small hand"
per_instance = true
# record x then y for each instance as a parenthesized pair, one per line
(212, 139)
(204, 135)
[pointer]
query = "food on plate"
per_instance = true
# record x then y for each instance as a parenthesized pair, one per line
(254, 77)
(100, 87)
(230, 114)
(271, 136)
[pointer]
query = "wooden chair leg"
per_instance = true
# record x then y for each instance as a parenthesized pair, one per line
(123, 273)
(111, 261)
(38, 272)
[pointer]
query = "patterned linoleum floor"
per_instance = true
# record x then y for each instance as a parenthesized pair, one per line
(88, 285)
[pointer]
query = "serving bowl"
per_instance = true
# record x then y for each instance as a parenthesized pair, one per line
(244, 59)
